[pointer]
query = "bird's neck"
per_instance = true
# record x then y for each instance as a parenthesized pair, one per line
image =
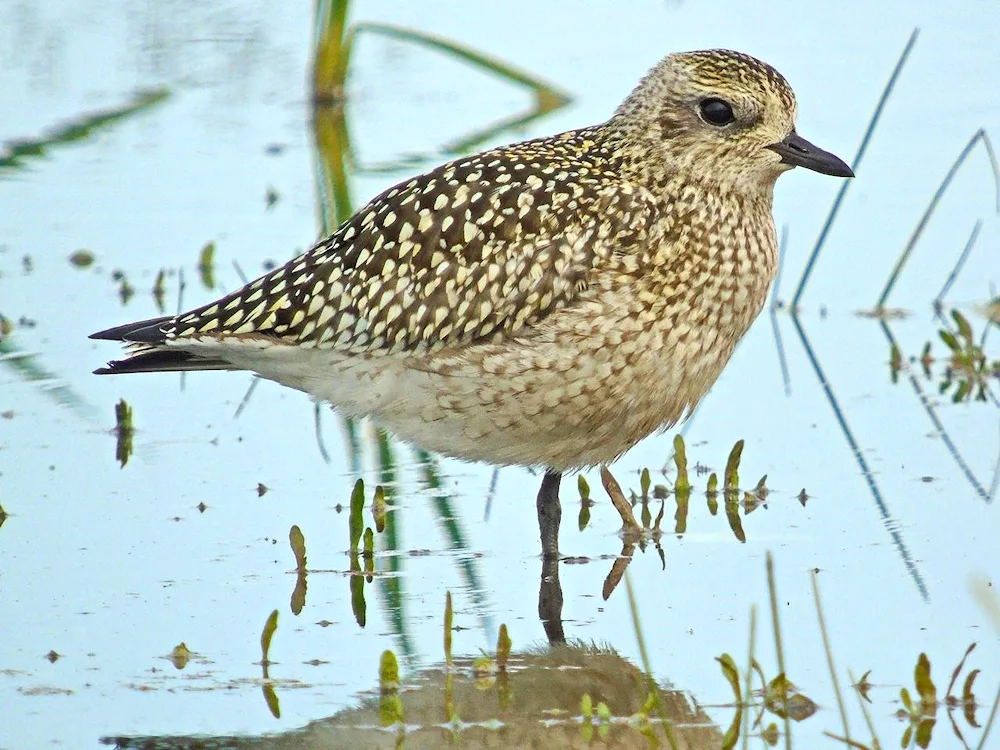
(717, 251)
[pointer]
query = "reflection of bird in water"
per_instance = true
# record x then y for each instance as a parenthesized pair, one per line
(537, 704)
(548, 303)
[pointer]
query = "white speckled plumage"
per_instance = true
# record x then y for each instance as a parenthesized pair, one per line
(547, 303)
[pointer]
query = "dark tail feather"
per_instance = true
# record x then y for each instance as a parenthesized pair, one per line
(159, 360)
(141, 332)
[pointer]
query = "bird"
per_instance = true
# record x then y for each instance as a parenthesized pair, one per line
(545, 304)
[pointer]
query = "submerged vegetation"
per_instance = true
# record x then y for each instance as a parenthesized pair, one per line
(578, 694)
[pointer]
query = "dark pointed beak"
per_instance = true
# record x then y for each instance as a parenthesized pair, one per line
(799, 152)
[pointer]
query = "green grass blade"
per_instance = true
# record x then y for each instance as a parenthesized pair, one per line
(547, 95)
(644, 655)
(448, 523)
(331, 50)
(27, 368)
(333, 159)
(478, 138)
(962, 257)
(391, 585)
(14, 154)
(890, 523)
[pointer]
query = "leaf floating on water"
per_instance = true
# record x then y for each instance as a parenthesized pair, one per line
(358, 605)
(378, 508)
(731, 483)
(125, 432)
(297, 602)
(503, 648)
(680, 461)
(895, 362)
(950, 341)
(271, 699)
(448, 627)
(803, 497)
(159, 290)
(584, 488)
(52, 657)
(958, 670)
(298, 543)
(732, 674)
(206, 265)
(712, 493)
(770, 735)
(270, 626)
(262, 489)
(783, 699)
(82, 259)
(800, 707)
(964, 329)
(761, 490)
(969, 699)
(355, 522)
(271, 196)
(904, 696)
(483, 667)
(390, 705)
(925, 685)
(864, 686)
(180, 655)
(125, 289)
(368, 553)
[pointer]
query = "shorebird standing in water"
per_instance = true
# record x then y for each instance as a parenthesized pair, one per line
(548, 303)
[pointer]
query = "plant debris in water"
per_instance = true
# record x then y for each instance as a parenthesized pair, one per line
(125, 432)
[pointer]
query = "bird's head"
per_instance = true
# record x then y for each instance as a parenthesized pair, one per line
(723, 117)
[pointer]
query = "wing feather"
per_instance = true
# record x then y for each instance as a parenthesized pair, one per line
(477, 249)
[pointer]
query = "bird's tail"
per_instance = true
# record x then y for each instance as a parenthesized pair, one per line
(151, 352)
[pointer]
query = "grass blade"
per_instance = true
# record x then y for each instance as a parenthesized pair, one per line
(331, 50)
(855, 164)
(14, 153)
(829, 656)
(980, 135)
(938, 301)
(547, 96)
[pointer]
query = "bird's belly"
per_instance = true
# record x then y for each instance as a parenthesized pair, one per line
(562, 401)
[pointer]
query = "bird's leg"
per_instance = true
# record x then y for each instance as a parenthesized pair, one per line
(549, 514)
(550, 601)
(550, 596)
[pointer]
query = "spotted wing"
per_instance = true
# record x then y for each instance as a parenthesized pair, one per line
(474, 250)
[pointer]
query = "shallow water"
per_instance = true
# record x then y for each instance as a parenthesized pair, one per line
(106, 568)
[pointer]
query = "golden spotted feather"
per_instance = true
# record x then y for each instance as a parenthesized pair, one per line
(475, 250)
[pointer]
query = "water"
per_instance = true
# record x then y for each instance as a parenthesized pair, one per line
(112, 567)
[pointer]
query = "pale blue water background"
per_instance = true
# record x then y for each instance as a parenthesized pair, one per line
(111, 568)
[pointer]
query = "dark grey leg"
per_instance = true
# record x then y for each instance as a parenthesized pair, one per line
(550, 601)
(549, 514)
(550, 596)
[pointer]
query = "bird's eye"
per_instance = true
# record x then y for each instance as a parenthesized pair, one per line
(716, 112)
